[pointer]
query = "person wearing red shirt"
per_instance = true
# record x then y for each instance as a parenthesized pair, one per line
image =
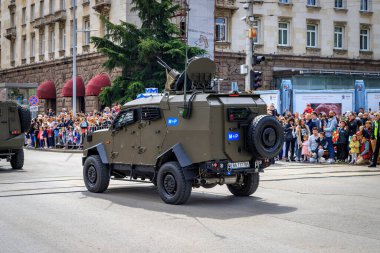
(308, 109)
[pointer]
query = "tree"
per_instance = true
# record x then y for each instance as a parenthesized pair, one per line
(134, 50)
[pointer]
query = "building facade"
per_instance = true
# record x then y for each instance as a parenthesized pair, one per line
(317, 44)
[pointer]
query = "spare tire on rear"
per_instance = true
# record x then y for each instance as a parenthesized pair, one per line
(265, 137)
(25, 118)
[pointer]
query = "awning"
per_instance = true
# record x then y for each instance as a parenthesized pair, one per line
(67, 90)
(46, 90)
(97, 83)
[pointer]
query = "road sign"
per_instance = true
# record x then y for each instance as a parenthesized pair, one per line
(33, 108)
(151, 90)
(33, 100)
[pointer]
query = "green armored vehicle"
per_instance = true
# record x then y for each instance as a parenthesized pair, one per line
(14, 122)
(179, 140)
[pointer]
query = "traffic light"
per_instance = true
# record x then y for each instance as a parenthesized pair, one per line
(257, 59)
(256, 79)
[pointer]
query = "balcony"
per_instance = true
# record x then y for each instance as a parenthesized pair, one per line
(38, 23)
(12, 6)
(60, 16)
(226, 4)
(10, 33)
(102, 6)
(48, 19)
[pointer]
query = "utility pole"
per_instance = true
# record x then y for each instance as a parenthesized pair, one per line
(249, 43)
(74, 58)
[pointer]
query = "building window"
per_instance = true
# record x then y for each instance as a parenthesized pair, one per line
(23, 47)
(62, 4)
(364, 5)
(52, 41)
(221, 29)
(87, 32)
(338, 37)
(42, 9)
(32, 17)
(312, 35)
(51, 6)
(13, 53)
(256, 26)
(364, 40)
(33, 45)
(311, 2)
(12, 19)
(284, 1)
(339, 4)
(42, 43)
(283, 34)
(23, 16)
(62, 39)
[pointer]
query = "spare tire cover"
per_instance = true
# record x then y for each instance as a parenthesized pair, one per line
(25, 119)
(265, 137)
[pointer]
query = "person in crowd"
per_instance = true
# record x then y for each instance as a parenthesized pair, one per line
(290, 139)
(308, 109)
(309, 122)
(314, 147)
(365, 150)
(328, 129)
(353, 124)
(316, 121)
(342, 142)
(50, 137)
(354, 149)
(375, 136)
(365, 117)
(305, 148)
(272, 110)
(302, 130)
(323, 121)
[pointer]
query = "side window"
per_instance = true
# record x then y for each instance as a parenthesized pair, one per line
(125, 118)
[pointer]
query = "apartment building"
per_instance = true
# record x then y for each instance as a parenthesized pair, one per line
(36, 45)
(319, 44)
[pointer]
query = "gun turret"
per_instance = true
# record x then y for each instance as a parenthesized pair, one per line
(171, 75)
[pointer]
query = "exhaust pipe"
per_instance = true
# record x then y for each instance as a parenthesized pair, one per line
(220, 181)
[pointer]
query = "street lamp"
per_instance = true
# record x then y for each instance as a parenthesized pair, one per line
(75, 56)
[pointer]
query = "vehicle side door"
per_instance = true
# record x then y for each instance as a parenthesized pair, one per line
(125, 137)
(4, 131)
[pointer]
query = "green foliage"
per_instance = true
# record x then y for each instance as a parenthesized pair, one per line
(134, 50)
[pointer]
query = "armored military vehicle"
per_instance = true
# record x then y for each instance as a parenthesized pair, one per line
(187, 137)
(14, 122)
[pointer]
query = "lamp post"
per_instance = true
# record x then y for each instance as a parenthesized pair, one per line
(74, 58)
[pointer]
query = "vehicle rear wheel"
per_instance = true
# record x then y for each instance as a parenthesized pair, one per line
(96, 174)
(248, 187)
(173, 187)
(17, 160)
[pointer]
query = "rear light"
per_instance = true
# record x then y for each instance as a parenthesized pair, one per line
(15, 132)
(234, 94)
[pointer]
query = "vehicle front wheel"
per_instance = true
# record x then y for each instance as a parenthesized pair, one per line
(17, 160)
(248, 187)
(96, 174)
(172, 185)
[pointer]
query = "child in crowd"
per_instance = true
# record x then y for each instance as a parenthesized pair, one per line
(305, 150)
(354, 149)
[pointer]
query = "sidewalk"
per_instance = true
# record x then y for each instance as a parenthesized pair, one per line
(74, 151)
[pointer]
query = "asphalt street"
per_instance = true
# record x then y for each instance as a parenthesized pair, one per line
(297, 208)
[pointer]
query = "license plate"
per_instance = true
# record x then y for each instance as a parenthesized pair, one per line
(238, 165)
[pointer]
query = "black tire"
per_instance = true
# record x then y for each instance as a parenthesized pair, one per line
(172, 185)
(265, 137)
(17, 160)
(96, 174)
(25, 118)
(249, 186)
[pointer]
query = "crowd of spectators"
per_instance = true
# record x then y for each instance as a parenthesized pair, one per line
(63, 130)
(352, 138)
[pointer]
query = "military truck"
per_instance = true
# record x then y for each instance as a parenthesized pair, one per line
(14, 122)
(190, 136)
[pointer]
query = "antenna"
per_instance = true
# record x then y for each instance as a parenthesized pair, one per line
(186, 48)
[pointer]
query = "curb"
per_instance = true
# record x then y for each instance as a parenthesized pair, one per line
(56, 150)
